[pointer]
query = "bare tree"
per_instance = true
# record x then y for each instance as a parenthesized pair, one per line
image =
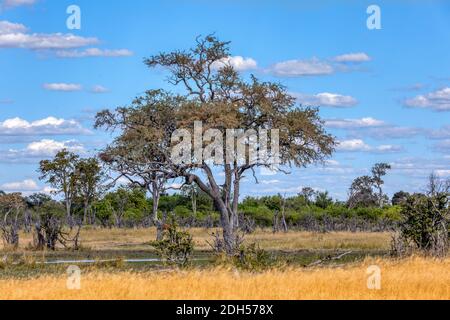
(11, 206)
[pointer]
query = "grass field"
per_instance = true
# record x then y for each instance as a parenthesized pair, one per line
(415, 278)
(138, 239)
(24, 276)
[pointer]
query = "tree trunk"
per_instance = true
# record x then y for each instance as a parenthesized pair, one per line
(68, 212)
(85, 209)
(159, 224)
(229, 232)
(283, 216)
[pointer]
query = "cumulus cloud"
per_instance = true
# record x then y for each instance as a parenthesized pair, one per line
(237, 62)
(358, 145)
(355, 123)
(317, 67)
(7, 27)
(93, 52)
(300, 68)
(353, 57)
(66, 87)
(48, 147)
(47, 126)
(20, 186)
(353, 145)
(326, 99)
(15, 35)
(438, 100)
(42, 149)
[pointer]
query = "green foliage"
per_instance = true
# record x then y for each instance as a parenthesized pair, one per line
(425, 222)
(251, 258)
(176, 246)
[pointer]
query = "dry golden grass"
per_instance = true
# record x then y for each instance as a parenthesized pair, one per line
(138, 239)
(415, 278)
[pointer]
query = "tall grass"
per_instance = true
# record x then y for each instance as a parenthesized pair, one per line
(414, 278)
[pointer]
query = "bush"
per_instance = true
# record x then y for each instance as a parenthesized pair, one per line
(424, 224)
(250, 258)
(262, 215)
(176, 247)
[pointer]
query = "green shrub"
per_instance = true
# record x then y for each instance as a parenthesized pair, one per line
(176, 247)
(251, 258)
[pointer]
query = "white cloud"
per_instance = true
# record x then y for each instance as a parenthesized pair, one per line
(299, 68)
(238, 63)
(443, 173)
(47, 126)
(442, 133)
(354, 123)
(269, 181)
(327, 99)
(438, 100)
(14, 35)
(99, 89)
(17, 3)
(386, 148)
(419, 167)
(353, 145)
(389, 132)
(7, 27)
(20, 186)
(42, 149)
(358, 145)
(443, 146)
(66, 87)
(48, 147)
(93, 52)
(353, 57)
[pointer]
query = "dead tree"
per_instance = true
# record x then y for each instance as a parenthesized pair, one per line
(11, 205)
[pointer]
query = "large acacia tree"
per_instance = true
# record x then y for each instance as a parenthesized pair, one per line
(212, 92)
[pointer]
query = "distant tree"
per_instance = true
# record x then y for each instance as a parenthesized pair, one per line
(379, 170)
(308, 194)
(192, 191)
(399, 198)
(323, 200)
(425, 220)
(61, 174)
(11, 205)
(125, 201)
(361, 193)
(88, 184)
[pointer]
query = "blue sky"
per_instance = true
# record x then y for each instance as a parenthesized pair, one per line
(385, 93)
